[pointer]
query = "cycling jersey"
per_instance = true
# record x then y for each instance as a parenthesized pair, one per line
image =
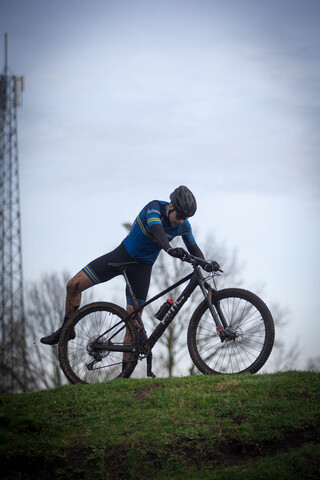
(140, 246)
(140, 243)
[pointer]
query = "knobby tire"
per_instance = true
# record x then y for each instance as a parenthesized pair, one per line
(251, 323)
(89, 323)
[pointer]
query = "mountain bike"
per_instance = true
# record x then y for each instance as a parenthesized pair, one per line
(231, 331)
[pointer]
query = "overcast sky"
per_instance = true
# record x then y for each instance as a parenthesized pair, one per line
(125, 100)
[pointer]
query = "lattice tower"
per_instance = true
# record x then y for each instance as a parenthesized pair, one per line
(12, 335)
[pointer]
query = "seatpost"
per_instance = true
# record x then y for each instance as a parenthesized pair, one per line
(131, 294)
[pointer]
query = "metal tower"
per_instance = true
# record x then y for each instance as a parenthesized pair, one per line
(12, 333)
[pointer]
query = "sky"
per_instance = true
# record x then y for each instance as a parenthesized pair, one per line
(126, 100)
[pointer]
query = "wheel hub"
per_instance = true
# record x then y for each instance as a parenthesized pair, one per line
(91, 348)
(232, 336)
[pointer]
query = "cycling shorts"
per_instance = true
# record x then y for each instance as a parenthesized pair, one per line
(139, 274)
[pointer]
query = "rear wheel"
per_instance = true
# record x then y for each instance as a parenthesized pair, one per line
(84, 359)
(249, 339)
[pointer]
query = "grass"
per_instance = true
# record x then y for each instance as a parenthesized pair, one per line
(201, 427)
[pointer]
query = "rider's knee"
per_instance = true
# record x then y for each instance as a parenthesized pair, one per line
(69, 286)
(78, 283)
(73, 286)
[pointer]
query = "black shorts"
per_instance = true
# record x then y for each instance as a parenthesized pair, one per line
(139, 273)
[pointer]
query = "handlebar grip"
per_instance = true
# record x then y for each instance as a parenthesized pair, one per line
(203, 263)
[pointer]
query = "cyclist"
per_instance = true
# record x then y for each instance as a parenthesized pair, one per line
(157, 224)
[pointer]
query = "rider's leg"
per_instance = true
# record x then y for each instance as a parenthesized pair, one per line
(127, 338)
(129, 309)
(139, 276)
(95, 272)
(75, 287)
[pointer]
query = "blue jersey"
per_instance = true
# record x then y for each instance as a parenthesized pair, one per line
(140, 243)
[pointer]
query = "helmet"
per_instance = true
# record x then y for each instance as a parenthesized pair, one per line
(183, 201)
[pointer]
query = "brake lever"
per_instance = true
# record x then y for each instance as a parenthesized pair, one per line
(187, 258)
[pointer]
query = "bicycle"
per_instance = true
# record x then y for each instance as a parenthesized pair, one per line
(231, 331)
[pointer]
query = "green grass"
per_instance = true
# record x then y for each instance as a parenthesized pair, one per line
(202, 427)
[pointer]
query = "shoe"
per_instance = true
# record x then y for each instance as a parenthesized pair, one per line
(53, 339)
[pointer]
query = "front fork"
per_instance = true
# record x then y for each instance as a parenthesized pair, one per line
(215, 310)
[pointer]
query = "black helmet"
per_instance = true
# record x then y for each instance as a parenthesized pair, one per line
(183, 201)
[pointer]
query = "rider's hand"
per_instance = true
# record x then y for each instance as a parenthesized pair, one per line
(178, 253)
(212, 267)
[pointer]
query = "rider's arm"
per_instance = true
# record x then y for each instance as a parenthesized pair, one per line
(159, 235)
(195, 250)
(190, 242)
(156, 227)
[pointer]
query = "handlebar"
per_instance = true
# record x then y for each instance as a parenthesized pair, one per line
(201, 262)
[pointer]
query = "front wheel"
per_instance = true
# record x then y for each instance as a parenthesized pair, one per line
(249, 339)
(91, 346)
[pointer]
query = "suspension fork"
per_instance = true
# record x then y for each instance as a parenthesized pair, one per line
(215, 310)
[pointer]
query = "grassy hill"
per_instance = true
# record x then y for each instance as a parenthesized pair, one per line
(202, 427)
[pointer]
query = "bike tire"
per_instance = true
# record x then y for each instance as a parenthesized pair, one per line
(89, 323)
(251, 323)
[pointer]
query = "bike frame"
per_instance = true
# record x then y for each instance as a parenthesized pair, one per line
(195, 279)
(144, 344)
(250, 333)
